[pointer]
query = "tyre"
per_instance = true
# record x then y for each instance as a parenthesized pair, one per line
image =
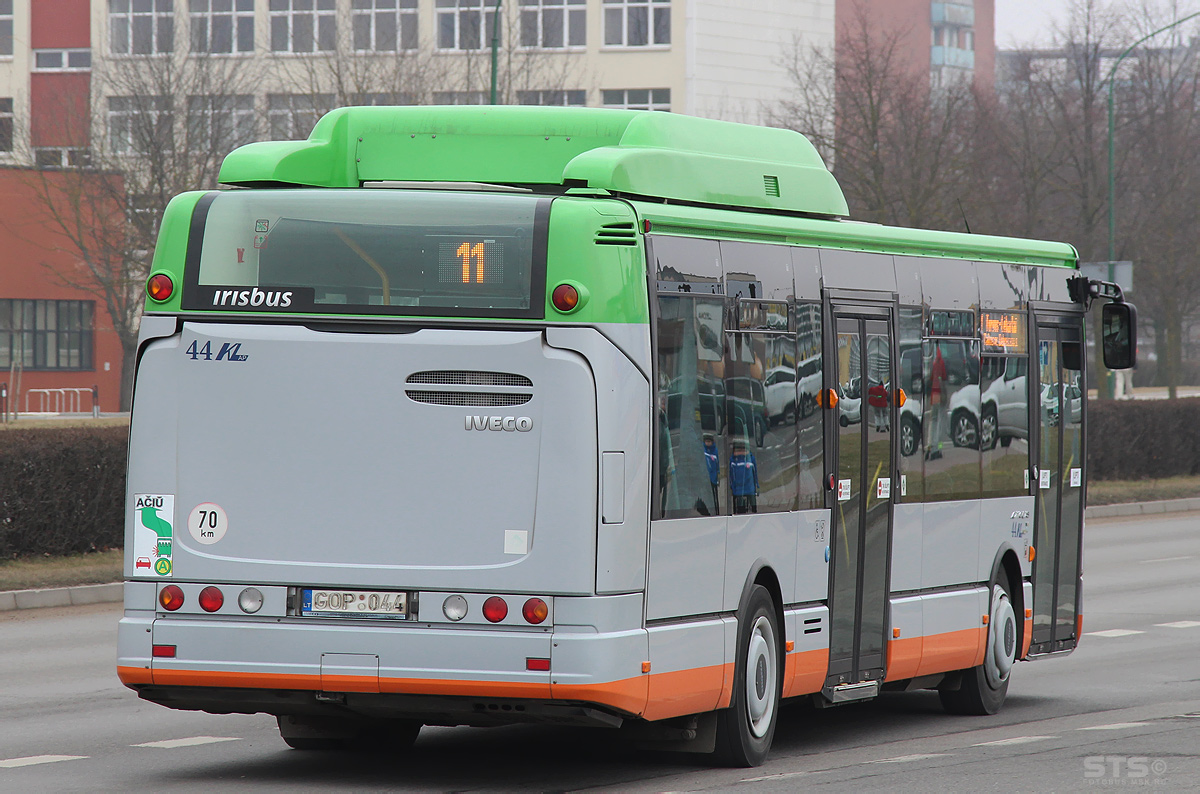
(1006, 441)
(746, 728)
(982, 689)
(789, 414)
(910, 434)
(843, 421)
(988, 430)
(964, 431)
(326, 734)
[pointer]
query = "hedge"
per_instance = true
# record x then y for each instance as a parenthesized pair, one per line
(1142, 439)
(62, 491)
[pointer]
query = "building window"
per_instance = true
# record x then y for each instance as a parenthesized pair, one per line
(217, 124)
(140, 124)
(222, 26)
(46, 334)
(385, 25)
(637, 23)
(573, 98)
(303, 25)
(141, 27)
(6, 124)
(6, 27)
(460, 97)
(385, 99)
(62, 60)
(292, 116)
(60, 157)
(637, 98)
(461, 24)
(553, 24)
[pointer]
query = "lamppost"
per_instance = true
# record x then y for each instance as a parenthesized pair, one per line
(496, 47)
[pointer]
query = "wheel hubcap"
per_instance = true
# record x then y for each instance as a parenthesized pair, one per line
(1002, 639)
(761, 685)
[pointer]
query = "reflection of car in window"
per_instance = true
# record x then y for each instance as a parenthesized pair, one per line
(808, 379)
(999, 413)
(747, 406)
(850, 404)
(710, 399)
(913, 384)
(780, 385)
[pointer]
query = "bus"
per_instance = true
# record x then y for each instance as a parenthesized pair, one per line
(470, 416)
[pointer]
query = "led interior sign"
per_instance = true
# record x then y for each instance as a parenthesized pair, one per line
(950, 322)
(471, 262)
(1003, 332)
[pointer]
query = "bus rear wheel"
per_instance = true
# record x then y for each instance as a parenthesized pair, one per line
(982, 689)
(746, 728)
(326, 733)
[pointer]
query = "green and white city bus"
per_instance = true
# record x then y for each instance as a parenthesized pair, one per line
(480, 415)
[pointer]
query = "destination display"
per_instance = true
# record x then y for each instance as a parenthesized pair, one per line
(1003, 332)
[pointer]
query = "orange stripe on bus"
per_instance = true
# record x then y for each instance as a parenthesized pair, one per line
(628, 694)
(1028, 636)
(1078, 627)
(953, 650)
(809, 670)
(134, 675)
(686, 691)
(235, 679)
(349, 683)
(904, 657)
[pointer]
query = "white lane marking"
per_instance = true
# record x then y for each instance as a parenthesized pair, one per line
(779, 776)
(1180, 624)
(1014, 740)
(901, 759)
(13, 763)
(1113, 633)
(189, 742)
(1167, 559)
(1115, 726)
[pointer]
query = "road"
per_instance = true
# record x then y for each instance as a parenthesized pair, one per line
(1123, 710)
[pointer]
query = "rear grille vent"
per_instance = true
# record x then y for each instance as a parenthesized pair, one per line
(462, 388)
(617, 234)
(771, 185)
(476, 399)
(469, 378)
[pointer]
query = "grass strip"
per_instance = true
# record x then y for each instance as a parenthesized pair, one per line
(32, 574)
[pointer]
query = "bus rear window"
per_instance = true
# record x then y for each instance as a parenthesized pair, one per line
(369, 252)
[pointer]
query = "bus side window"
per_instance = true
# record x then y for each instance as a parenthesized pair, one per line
(810, 419)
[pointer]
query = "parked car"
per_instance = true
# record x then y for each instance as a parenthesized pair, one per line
(747, 404)
(780, 387)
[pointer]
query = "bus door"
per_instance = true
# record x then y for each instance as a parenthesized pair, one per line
(861, 371)
(1058, 482)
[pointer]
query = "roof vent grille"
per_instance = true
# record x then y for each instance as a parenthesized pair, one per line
(771, 185)
(617, 234)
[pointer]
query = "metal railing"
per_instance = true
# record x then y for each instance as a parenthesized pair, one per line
(68, 399)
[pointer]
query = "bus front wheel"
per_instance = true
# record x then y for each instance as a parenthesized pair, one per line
(982, 689)
(746, 728)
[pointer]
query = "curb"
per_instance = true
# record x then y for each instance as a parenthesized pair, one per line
(1142, 508)
(111, 593)
(62, 596)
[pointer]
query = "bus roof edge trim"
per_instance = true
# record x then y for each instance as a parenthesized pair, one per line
(644, 153)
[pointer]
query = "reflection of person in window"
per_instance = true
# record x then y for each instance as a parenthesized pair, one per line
(937, 384)
(877, 398)
(712, 458)
(743, 479)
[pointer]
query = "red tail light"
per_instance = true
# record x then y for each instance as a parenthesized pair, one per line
(537, 664)
(160, 287)
(211, 599)
(565, 297)
(535, 611)
(495, 609)
(171, 597)
(163, 651)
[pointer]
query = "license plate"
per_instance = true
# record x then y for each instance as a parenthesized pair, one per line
(376, 604)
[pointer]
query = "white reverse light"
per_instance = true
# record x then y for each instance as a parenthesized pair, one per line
(455, 607)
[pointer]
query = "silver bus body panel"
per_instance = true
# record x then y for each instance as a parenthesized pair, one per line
(384, 491)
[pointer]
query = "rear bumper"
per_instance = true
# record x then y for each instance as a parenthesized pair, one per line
(280, 665)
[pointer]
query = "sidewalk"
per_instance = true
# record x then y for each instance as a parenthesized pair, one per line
(112, 593)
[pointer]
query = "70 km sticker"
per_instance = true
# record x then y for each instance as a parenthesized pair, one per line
(207, 523)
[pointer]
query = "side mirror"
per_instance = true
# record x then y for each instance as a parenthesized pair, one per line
(1118, 333)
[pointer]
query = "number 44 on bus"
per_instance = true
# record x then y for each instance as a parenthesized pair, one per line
(472, 416)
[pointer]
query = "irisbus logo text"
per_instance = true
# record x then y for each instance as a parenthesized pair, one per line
(522, 424)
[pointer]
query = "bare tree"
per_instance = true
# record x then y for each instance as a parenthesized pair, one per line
(898, 146)
(155, 127)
